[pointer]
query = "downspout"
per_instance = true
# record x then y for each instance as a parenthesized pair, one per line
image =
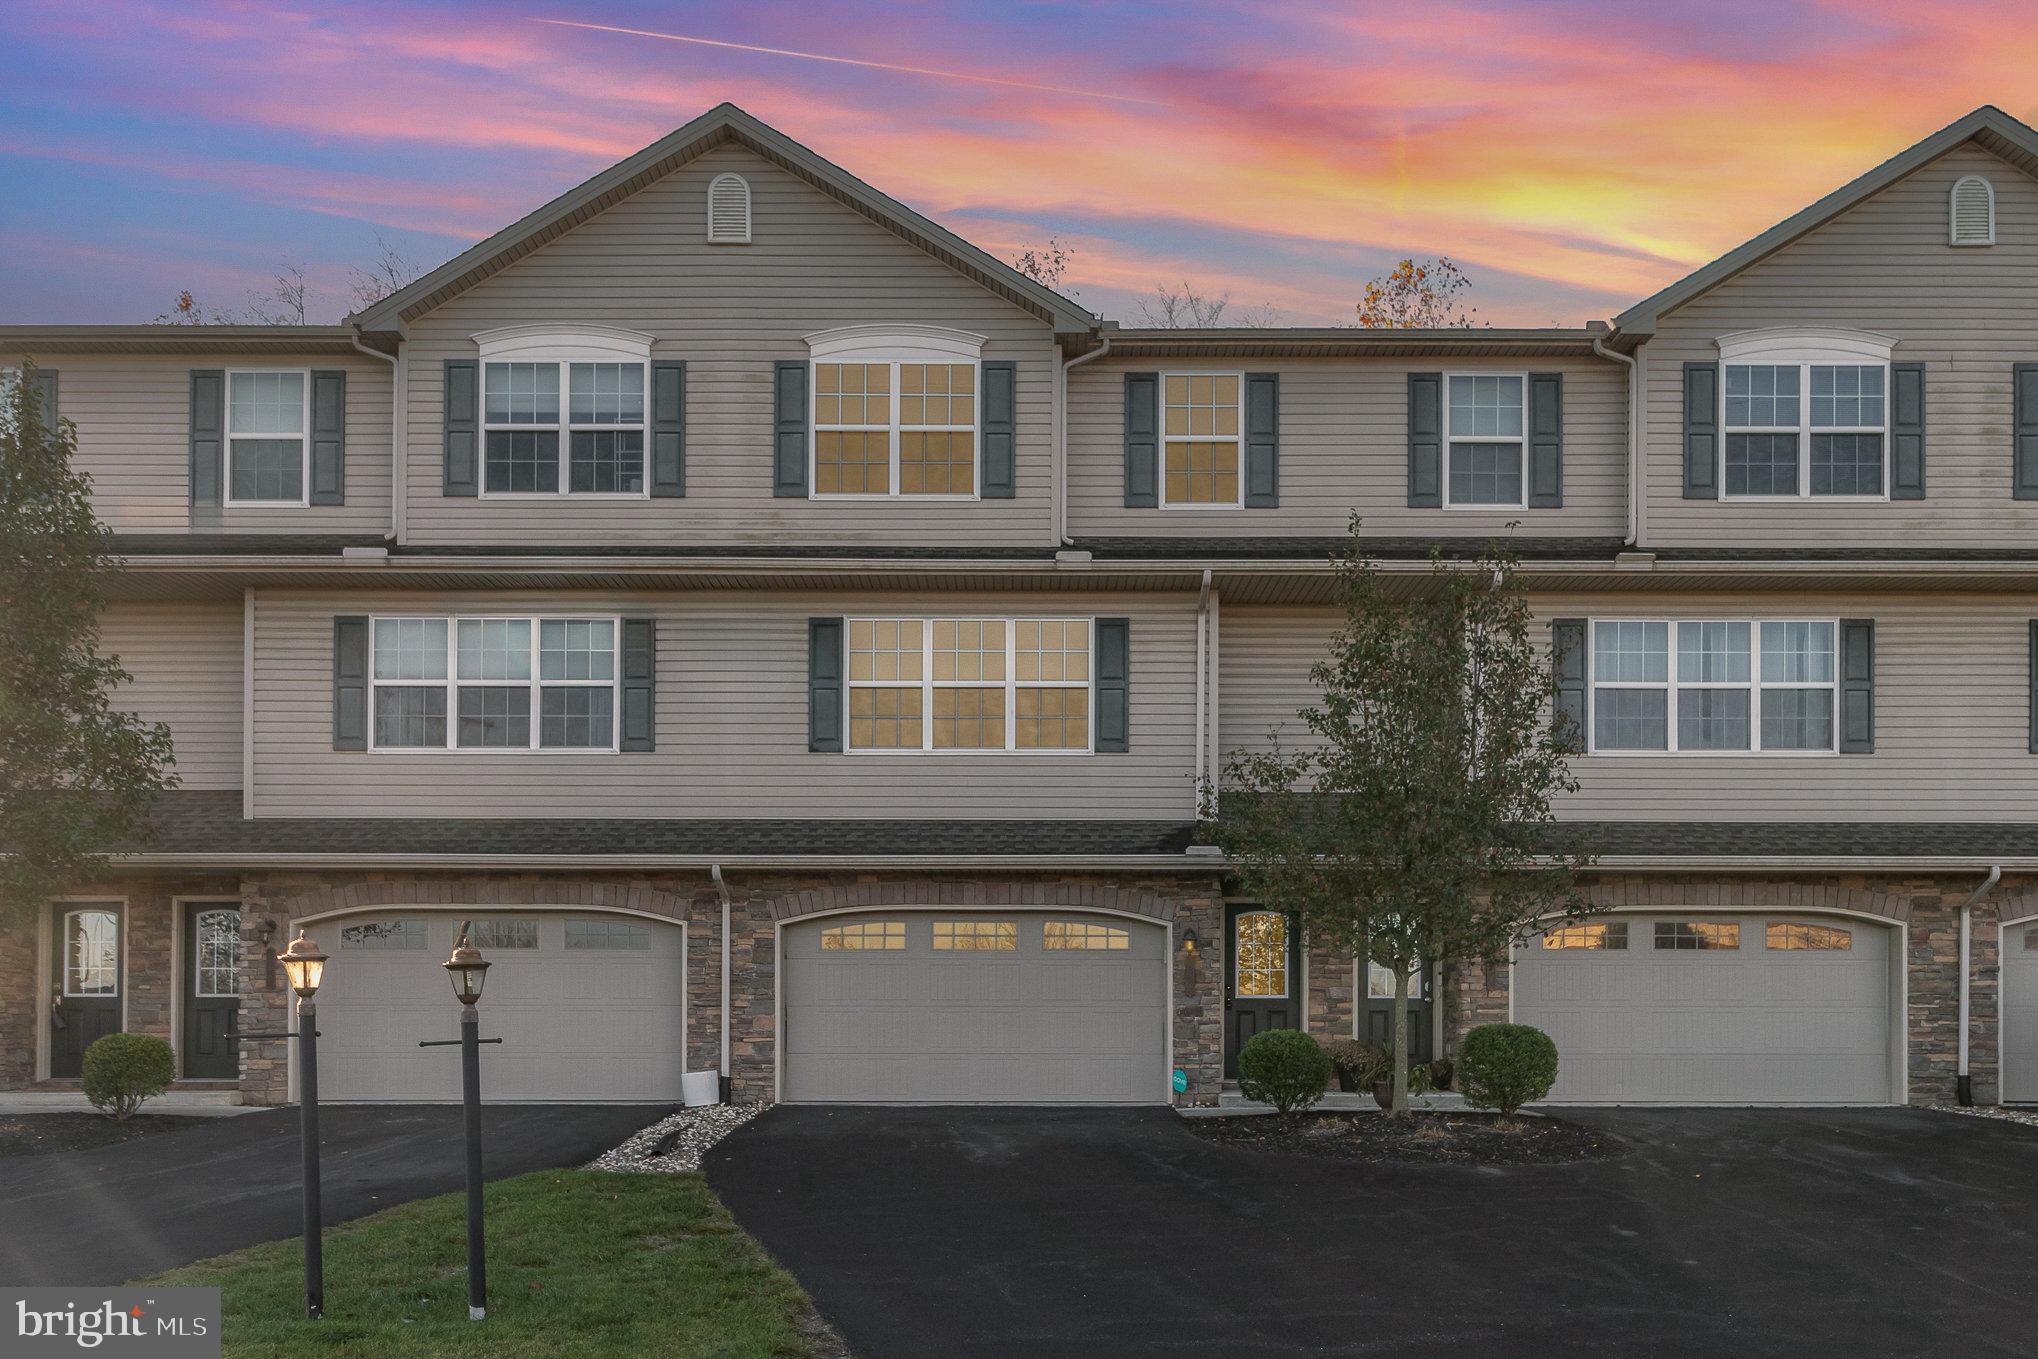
(1634, 435)
(1061, 441)
(397, 434)
(1202, 692)
(1963, 1084)
(722, 889)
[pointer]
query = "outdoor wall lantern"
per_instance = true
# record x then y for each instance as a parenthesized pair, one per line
(1190, 943)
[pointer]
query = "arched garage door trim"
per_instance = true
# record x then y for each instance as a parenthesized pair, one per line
(1164, 1079)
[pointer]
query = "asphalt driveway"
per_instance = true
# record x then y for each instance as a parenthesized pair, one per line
(121, 1212)
(939, 1232)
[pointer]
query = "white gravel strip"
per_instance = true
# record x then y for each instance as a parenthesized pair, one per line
(2027, 1117)
(692, 1132)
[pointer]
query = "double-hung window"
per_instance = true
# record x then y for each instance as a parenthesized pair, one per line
(1202, 447)
(1486, 420)
(895, 429)
(563, 428)
(969, 684)
(1692, 685)
(1805, 414)
(495, 683)
(268, 456)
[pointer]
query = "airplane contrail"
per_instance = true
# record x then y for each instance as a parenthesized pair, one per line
(849, 61)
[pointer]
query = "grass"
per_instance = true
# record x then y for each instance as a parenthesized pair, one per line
(581, 1265)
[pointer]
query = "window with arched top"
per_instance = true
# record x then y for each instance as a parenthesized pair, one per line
(1972, 210)
(729, 210)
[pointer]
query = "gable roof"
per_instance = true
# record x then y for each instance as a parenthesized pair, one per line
(719, 125)
(1988, 126)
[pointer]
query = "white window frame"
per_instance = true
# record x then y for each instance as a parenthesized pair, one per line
(1161, 435)
(1451, 437)
(535, 684)
(1674, 687)
(928, 684)
(563, 348)
(1805, 350)
(63, 944)
(227, 437)
(1288, 958)
(198, 911)
(893, 346)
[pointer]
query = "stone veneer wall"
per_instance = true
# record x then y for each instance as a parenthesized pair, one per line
(1331, 998)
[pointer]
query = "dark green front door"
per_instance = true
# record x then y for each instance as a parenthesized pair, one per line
(212, 989)
(1377, 1010)
(1262, 984)
(85, 981)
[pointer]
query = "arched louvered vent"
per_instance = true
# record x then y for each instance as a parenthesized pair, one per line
(1973, 211)
(729, 210)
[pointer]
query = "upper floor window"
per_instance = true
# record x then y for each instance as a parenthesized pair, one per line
(494, 683)
(1971, 210)
(268, 457)
(1202, 448)
(1719, 685)
(1805, 414)
(969, 684)
(563, 412)
(896, 413)
(1486, 421)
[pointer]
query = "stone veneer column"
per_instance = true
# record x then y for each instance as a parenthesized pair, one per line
(1331, 997)
(22, 994)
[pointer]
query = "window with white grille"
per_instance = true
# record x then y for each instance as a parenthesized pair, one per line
(1973, 211)
(729, 210)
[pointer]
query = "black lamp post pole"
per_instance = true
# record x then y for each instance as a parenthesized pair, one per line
(307, 1123)
(470, 1094)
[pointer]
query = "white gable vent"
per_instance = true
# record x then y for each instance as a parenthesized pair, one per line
(729, 210)
(1973, 211)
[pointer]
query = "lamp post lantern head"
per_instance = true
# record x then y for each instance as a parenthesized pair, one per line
(467, 969)
(304, 965)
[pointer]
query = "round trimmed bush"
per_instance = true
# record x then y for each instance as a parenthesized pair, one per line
(1504, 1066)
(123, 1069)
(1285, 1068)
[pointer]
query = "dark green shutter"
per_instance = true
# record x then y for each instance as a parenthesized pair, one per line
(1114, 686)
(208, 435)
(1701, 431)
(350, 682)
(1262, 440)
(1546, 441)
(2024, 430)
(329, 438)
(640, 685)
(1142, 440)
(46, 390)
(1001, 427)
(1907, 431)
(1425, 441)
(1857, 686)
(789, 428)
(824, 684)
(1568, 658)
(668, 429)
(462, 414)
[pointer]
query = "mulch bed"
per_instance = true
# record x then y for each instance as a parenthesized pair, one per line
(35, 1134)
(1430, 1138)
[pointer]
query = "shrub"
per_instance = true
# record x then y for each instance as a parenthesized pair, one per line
(1285, 1068)
(1441, 1072)
(1504, 1066)
(123, 1069)
(1356, 1061)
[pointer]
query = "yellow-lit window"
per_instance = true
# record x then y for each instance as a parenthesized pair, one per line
(996, 936)
(887, 935)
(1794, 937)
(887, 662)
(1078, 934)
(969, 684)
(853, 428)
(1609, 934)
(937, 429)
(895, 429)
(1200, 439)
(1260, 954)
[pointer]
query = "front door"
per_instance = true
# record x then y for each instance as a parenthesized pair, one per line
(212, 989)
(1377, 1015)
(1263, 988)
(85, 980)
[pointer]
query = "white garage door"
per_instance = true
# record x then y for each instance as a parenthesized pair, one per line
(1713, 1009)
(588, 1008)
(927, 1007)
(2020, 1014)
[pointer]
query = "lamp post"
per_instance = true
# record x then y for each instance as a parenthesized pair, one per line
(467, 970)
(305, 967)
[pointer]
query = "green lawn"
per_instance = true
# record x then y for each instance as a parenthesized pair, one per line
(581, 1265)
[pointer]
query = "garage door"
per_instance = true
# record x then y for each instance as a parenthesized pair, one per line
(2020, 1014)
(588, 1008)
(1708, 1009)
(931, 1008)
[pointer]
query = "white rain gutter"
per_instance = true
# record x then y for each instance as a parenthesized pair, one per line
(1634, 434)
(1061, 440)
(1963, 1084)
(722, 888)
(1202, 690)
(397, 434)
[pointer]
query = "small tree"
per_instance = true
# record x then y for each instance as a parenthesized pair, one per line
(1416, 295)
(1412, 826)
(394, 269)
(1189, 308)
(79, 773)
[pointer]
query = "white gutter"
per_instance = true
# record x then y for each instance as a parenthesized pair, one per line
(1634, 433)
(715, 872)
(1202, 691)
(397, 526)
(1061, 439)
(1963, 1085)
(1216, 650)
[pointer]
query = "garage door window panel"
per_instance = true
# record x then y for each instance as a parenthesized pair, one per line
(1598, 936)
(1697, 935)
(1793, 937)
(607, 934)
(1735, 686)
(1081, 936)
(501, 936)
(407, 935)
(881, 935)
(983, 936)
(970, 684)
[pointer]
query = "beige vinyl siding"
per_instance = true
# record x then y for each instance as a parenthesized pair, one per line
(133, 414)
(1344, 449)
(730, 311)
(732, 722)
(1951, 712)
(185, 657)
(1885, 266)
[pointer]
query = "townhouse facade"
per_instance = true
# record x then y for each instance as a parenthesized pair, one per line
(798, 641)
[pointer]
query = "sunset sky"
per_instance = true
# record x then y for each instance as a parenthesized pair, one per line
(1572, 156)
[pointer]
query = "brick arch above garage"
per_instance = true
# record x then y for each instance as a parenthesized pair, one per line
(482, 895)
(1894, 902)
